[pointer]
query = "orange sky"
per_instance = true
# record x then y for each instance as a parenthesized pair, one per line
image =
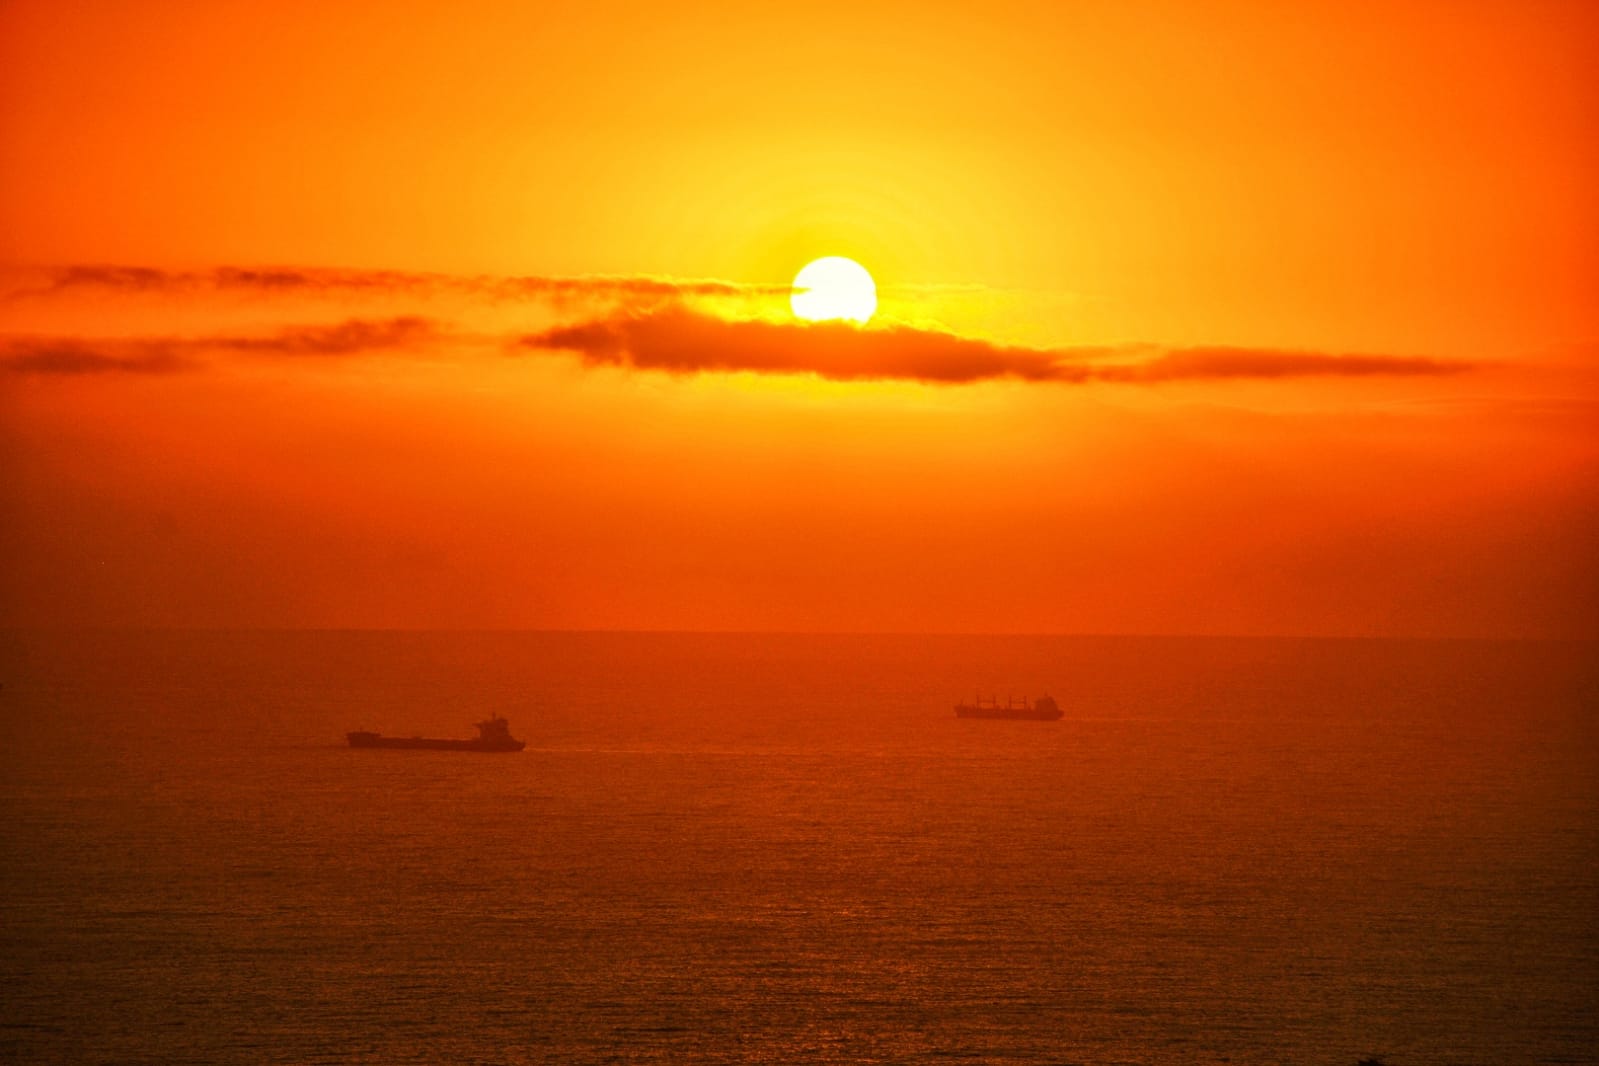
(1196, 318)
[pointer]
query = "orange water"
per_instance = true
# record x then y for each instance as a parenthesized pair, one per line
(732, 849)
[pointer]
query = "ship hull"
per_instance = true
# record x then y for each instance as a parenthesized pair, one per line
(377, 740)
(1018, 714)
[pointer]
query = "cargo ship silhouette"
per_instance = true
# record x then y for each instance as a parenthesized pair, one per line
(1043, 709)
(494, 734)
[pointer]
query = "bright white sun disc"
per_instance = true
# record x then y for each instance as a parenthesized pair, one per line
(833, 288)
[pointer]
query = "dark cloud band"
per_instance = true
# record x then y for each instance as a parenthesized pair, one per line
(682, 341)
(639, 322)
(167, 355)
(299, 281)
(677, 340)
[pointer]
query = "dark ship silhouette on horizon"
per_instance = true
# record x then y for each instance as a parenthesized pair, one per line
(494, 734)
(1043, 709)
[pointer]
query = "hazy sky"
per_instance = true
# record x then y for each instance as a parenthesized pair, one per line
(1195, 318)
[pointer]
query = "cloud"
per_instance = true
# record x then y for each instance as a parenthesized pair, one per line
(166, 355)
(76, 357)
(654, 329)
(351, 337)
(1222, 362)
(683, 341)
(292, 281)
(679, 340)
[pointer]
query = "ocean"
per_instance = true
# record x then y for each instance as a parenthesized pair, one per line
(786, 849)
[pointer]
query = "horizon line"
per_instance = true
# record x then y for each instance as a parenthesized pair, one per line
(9, 628)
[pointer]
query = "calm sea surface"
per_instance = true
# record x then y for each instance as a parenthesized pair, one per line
(753, 849)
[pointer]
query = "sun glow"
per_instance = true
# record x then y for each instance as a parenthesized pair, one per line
(834, 288)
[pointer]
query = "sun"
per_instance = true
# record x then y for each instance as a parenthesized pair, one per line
(834, 287)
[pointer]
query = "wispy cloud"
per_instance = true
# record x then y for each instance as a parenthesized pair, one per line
(167, 355)
(679, 340)
(639, 322)
(304, 281)
(351, 337)
(683, 341)
(1225, 362)
(68, 356)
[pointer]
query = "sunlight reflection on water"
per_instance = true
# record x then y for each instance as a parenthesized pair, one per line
(779, 849)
